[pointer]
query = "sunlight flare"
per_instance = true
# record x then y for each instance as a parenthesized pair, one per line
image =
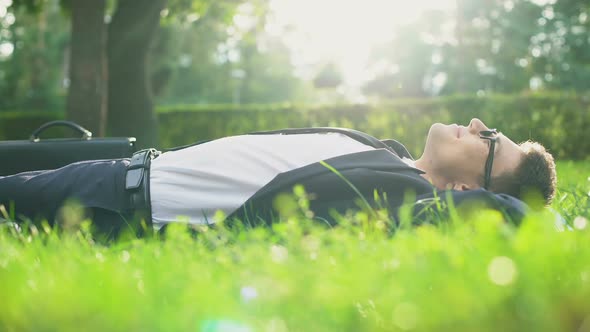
(343, 32)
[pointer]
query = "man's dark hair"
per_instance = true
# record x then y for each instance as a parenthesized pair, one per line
(535, 173)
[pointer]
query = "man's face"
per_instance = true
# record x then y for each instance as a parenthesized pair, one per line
(457, 154)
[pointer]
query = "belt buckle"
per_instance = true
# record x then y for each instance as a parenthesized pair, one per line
(140, 161)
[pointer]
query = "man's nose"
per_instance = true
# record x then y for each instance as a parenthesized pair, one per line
(476, 125)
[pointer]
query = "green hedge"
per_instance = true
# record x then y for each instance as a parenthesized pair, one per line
(20, 125)
(558, 120)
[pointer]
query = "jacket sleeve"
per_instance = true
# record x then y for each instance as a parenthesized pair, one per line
(329, 193)
(435, 206)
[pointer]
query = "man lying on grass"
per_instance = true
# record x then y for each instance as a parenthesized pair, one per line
(243, 175)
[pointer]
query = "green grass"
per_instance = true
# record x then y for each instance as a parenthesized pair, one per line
(466, 275)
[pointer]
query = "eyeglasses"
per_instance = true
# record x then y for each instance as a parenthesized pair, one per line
(492, 136)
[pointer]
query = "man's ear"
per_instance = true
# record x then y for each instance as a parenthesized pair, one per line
(460, 186)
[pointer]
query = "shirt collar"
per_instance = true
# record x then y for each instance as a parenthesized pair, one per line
(409, 162)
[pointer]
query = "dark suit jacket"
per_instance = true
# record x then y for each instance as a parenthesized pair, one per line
(337, 184)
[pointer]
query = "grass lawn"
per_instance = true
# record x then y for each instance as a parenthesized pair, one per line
(465, 275)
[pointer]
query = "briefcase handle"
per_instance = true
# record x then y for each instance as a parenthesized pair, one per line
(86, 134)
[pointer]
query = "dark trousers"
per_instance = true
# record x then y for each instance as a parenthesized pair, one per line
(98, 186)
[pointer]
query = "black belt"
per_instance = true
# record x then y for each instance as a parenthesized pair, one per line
(137, 182)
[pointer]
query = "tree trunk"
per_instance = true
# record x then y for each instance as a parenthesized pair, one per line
(87, 95)
(130, 107)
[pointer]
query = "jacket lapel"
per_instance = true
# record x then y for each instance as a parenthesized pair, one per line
(380, 159)
(398, 147)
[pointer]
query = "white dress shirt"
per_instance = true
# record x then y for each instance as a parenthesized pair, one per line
(191, 184)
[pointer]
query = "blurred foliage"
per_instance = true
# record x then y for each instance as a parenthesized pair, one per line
(329, 76)
(207, 62)
(544, 117)
(572, 197)
(488, 46)
(33, 58)
(219, 52)
(205, 52)
(200, 58)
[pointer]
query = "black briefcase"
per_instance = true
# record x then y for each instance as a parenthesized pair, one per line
(38, 154)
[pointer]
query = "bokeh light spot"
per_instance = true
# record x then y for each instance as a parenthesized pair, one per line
(125, 256)
(580, 222)
(502, 271)
(248, 293)
(278, 253)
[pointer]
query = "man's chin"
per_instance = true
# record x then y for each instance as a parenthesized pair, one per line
(437, 131)
(437, 126)
(437, 137)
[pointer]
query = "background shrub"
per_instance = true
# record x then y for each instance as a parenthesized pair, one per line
(559, 121)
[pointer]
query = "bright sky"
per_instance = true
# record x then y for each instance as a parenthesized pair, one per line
(343, 31)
